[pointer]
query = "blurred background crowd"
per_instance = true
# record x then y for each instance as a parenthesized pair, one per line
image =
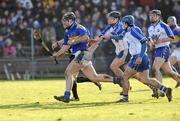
(17, 16)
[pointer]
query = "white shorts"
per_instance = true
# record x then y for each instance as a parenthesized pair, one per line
(176, 53)
(86, 60)
(85, 64)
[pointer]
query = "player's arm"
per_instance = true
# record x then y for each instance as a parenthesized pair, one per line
(83, 38)
(162, 40)
(169, 33)
(57, 44)
(104, 34)
(115, 37)
(137, 33)
(62, 51)
(93, 44)
(64, 48)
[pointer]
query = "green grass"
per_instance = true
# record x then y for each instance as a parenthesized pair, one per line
(33, 101)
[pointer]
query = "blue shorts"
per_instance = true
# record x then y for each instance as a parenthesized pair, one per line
(163, 52)
(139, 67)
(124, 54)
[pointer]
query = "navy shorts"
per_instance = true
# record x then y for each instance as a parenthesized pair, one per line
(163, 52)
(139, 67)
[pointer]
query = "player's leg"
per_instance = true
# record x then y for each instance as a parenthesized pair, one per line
(90, 73)
(146, 80)
(173, 60)
(129, 72)
(74, 92)
(158, 62)
(155, 91)
(161, 55)
(117, 62)
(74, 89)
(70, 75)
(168, 70)
(178, 63)
(85, 79)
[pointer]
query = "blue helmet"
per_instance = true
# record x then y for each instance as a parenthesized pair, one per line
(129, 19)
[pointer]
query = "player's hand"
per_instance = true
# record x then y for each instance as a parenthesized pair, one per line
(105, 37)
(151, 46)
(54, 45)
(54, 56)
(139, 60)
(159, 41)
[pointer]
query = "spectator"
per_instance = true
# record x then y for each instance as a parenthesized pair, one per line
(48, 32)
(9, 50)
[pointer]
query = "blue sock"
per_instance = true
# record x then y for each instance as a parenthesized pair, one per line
(125, 97)
(116, 80)
(163, 88)
(67, 95)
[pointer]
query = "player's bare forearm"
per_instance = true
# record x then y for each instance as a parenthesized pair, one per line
(62, 51)
(57, 44)
(168, 39)
(94, 45)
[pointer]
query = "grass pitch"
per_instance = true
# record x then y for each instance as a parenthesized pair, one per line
(33, 101)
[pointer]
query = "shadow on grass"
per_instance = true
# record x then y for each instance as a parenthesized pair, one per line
(55, 105)
(60, 105)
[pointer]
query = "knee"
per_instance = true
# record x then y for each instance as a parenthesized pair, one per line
(155, 69)
(145, 81)
(93, 78)
(67, 73)
(125, 77)
(113, 67)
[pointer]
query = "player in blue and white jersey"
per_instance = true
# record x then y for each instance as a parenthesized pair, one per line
(160, 36)
(114, 27)
(139, 62)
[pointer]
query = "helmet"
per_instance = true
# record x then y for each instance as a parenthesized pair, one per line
(69, 16)
(114, 14)
(172, 18)
(129, 19)
(155, 11)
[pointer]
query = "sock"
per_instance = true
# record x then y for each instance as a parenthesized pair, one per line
(67, 95)
(125, 97)
(116, 80)
(74, 90)
(163, 89)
